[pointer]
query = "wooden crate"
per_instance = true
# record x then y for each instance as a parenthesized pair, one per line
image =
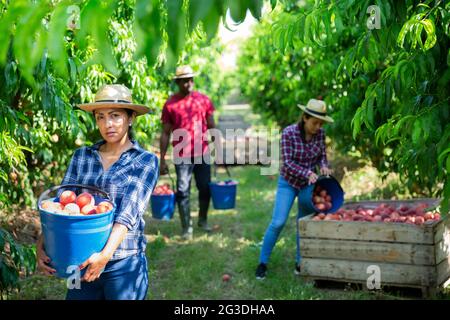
(407, 255)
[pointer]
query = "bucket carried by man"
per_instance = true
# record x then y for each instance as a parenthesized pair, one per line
(223, 193)
(163, 201)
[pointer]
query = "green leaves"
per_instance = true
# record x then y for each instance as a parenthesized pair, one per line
(148, 30)
(238, 9)
(255, 7)
(13, 259)
(198, 10)
(57, 29)
(414, 28)
(30, 38)
(94, 27)
(273, 4)
(176, 24)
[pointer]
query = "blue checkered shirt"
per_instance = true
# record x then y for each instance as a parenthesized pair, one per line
(129, 182)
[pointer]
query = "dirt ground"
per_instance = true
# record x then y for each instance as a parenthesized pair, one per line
(23, 224)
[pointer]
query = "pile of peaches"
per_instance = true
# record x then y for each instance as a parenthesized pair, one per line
(162, 190)
(321, 199)
(410, 214)
(227, 183)
(71, 204)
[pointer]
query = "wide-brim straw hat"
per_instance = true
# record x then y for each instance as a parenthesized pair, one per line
(114, 96)
(184, 72)
(317, 109)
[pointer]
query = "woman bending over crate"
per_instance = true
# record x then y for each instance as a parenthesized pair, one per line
(303, 149)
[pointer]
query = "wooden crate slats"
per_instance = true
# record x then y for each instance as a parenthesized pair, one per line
(366, 231)
(391, 274)
(368, 251)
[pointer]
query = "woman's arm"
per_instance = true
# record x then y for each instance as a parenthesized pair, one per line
(323, 161)
(98, 261)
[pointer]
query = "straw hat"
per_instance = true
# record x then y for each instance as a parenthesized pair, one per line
(184, 72)
(317, 109)
(114, 96)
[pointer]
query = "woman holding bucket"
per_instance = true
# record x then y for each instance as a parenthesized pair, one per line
(303, 149)
(128, 173)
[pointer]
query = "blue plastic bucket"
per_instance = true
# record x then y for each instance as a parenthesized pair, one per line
(71, 240)
(333, 188)
(163, 206)
(223, 196)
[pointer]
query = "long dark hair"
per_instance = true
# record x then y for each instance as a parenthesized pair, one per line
(130, 128)
(301, 124)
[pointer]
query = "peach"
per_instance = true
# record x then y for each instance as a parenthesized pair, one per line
(437, 216)
(67, 197)
(226, 277)
(54, 207)
(385, 216)
(46, 204)
(419, 220)
(361, 212)
(84, 199)
(72, 208)
(104, 206)
(395, 215)
(320, 207)
(317, 199)
(88, 209)
(377, 219)
(429, 216)
(411, 219)
(323, 193)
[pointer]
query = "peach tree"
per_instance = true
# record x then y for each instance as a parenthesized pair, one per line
(382, 66)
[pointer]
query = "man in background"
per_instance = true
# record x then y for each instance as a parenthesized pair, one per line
(188, 115)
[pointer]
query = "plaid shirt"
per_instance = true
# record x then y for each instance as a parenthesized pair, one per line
(189, 113)
(129, 182)
(301, 157)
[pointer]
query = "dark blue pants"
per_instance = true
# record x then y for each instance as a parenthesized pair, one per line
(202, 174)
(125, 279)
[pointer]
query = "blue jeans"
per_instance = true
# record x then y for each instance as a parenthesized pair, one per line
(124, 279)
(284, 200)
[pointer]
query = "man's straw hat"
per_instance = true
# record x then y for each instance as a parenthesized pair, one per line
(184, 72)
(114, 96)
